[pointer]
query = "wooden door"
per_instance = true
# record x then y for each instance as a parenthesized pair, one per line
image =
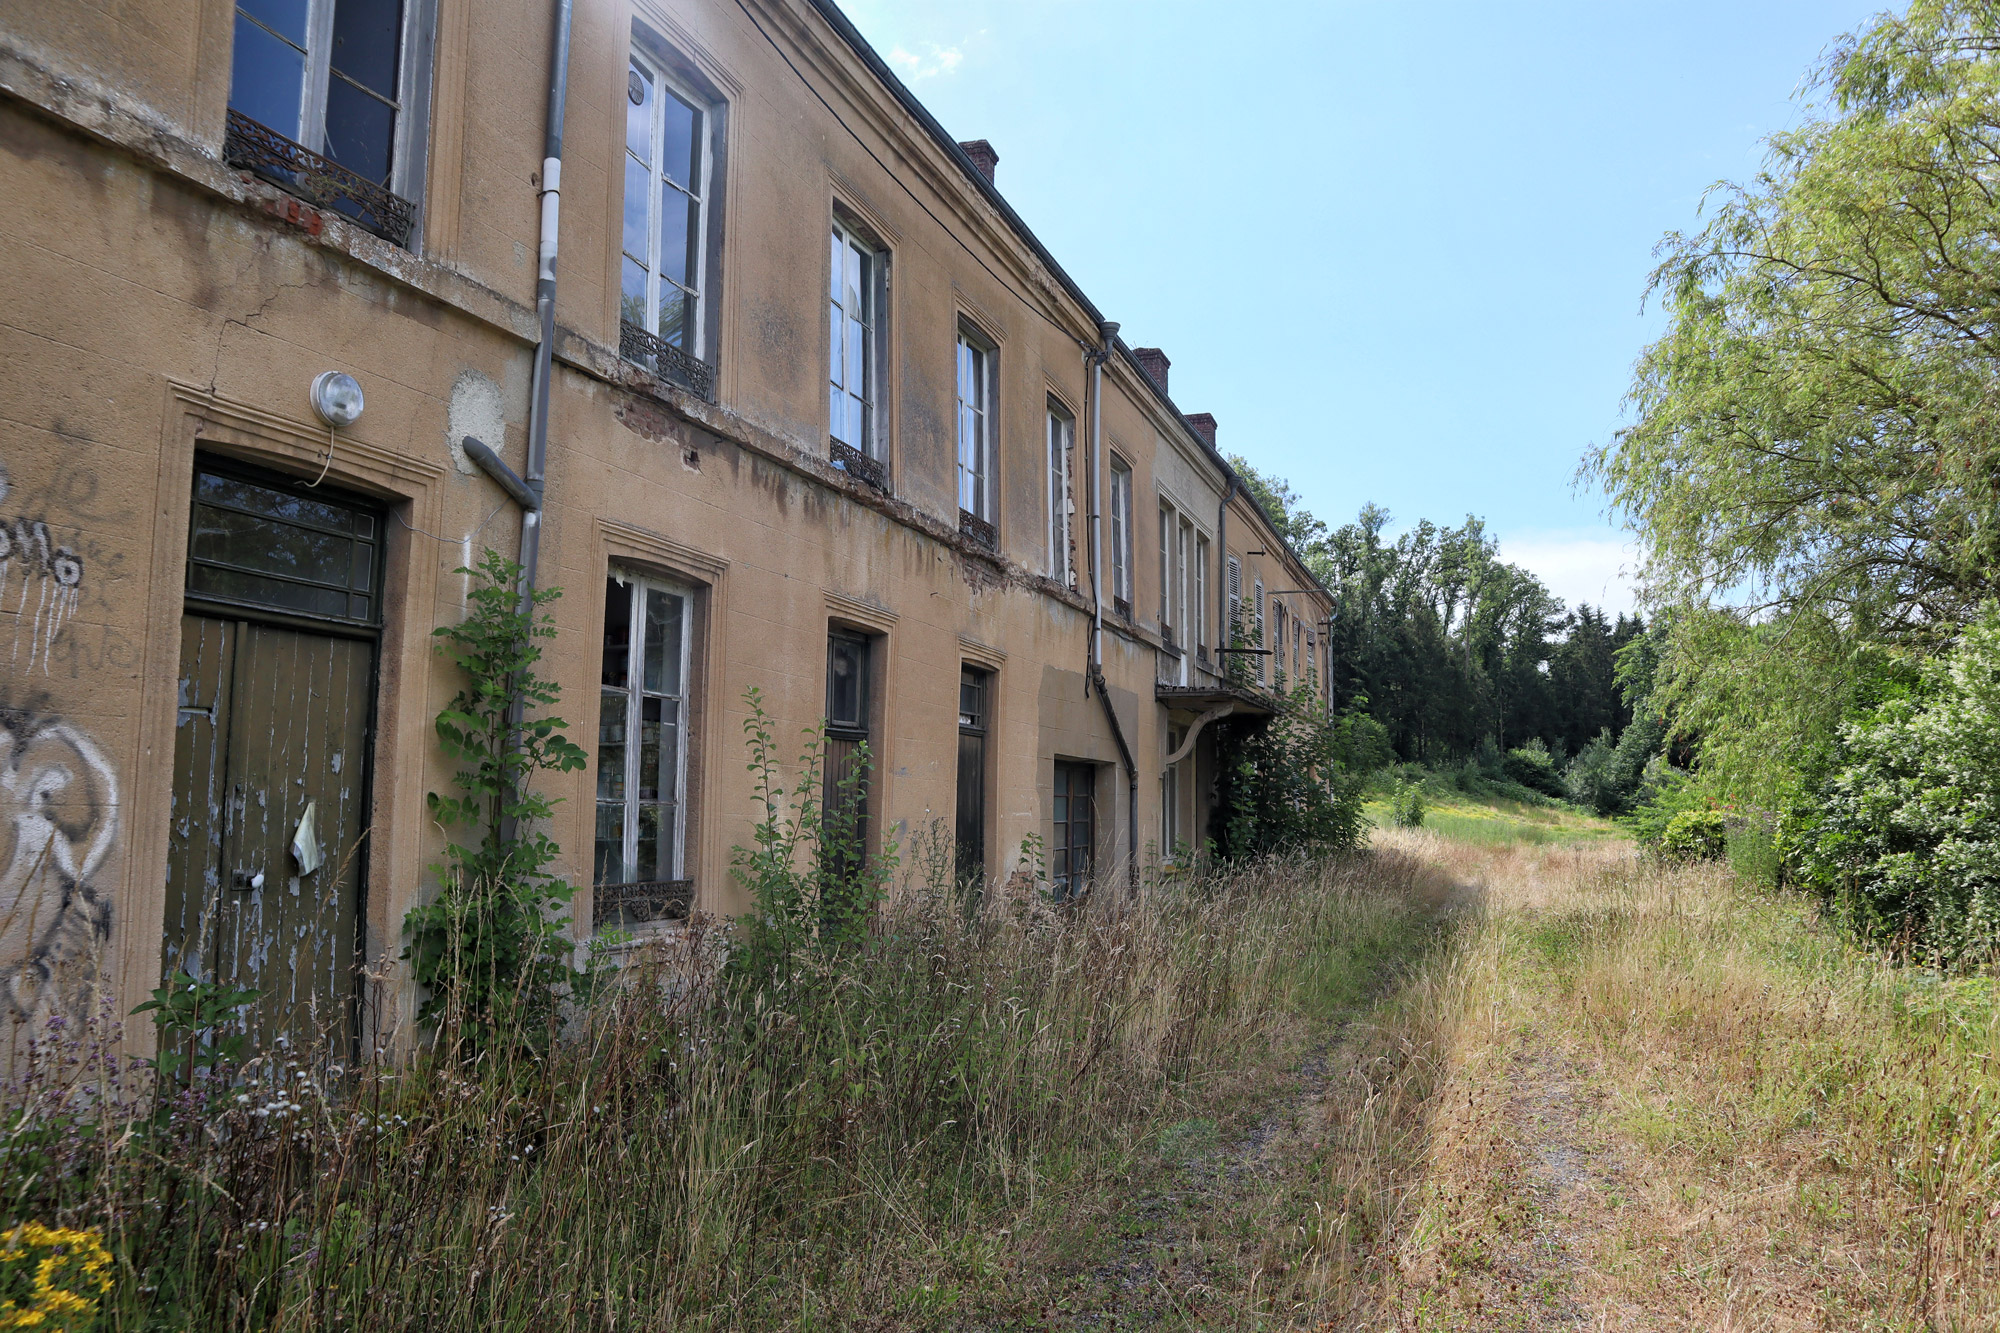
(271, 753)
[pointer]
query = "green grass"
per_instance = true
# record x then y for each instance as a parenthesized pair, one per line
(1497, 821)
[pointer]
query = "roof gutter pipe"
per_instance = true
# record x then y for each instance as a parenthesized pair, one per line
(1108, 331)
(545, 309)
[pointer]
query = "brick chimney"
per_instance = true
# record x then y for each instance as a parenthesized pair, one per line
(1203, 425)
(982, 155)
(1154, 362)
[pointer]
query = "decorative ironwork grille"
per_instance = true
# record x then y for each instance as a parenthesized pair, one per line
(644, 900)
(667, 361)
(857, 464)
(977, 528)
(318, 180)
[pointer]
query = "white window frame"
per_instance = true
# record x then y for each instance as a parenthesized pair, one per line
(860, 304)
(1168, 524)
(413, 80)
(1170, 800)
(635, 695)
(1062, 494)
(1199, 619)
(1121, 530)
(1259, 621)
(973, 373)
(1235, 625)
(694, 334)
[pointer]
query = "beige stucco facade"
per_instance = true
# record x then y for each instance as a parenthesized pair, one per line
(169, 308)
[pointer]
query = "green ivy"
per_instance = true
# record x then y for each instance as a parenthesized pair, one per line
(492, 948)
(814, 883)
(1294, 781)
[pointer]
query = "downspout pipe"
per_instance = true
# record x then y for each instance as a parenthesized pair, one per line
(545, 309)
(1108, 331)
(1226, 630)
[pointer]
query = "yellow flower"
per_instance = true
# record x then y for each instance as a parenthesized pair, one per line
(69, 1276)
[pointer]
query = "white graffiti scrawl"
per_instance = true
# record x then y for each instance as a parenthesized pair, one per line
(51, 577)
(59, 812)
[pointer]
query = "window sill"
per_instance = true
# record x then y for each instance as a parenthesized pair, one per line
(978, 530)
(669, 362)
(655, 902)
(320, 181)
(856, 464)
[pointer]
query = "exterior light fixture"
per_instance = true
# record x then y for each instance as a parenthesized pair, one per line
(336, 397)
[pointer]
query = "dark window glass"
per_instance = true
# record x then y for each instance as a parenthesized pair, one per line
(360, 130)
(680, 141)
(262, 546)
(617, 634)
(287, 18)
(972, 698)
(265, 77)
(367, 40)
(847, 682)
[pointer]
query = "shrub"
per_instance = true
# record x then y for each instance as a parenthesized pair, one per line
(1291, 783)
(1533, 767)
(1904, 834)
(1593, 779)
(1695, 835)
(1407, 804)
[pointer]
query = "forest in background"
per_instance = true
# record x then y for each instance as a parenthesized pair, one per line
(1812, 471)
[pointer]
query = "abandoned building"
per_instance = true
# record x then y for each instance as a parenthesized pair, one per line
(689, 305)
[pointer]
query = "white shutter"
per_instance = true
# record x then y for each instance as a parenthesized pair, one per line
(1235, 626)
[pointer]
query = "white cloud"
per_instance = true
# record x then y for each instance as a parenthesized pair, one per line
(1586, 566)
(934, 61)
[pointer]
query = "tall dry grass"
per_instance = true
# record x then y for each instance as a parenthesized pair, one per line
(863, 1146)
(1676, 1101)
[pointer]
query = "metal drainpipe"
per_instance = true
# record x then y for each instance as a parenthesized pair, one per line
(1226, 630)
(1107, 330)
(1095, 677)
(545, 308)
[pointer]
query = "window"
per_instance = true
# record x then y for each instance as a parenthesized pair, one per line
(974, 691)
(318, 82)
(1062, 495)
(1235, 629)
(1184, 615)
(848, 714)
(854, 346)
(1170, 799)
(666, 222)
(1278, 640)
(642, 753)
(1167, 618)
(1257, 625)
(1121, 536)
(975, 426)
(1200, 621)
(1073, 849)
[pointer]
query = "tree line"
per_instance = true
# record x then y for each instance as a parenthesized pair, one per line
(1453, 650)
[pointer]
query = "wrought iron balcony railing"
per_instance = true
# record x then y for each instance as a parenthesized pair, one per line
(318, 180)
(982, 533)
(857, 464)
(667, 361)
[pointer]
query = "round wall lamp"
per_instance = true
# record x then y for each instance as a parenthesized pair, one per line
(336, 397)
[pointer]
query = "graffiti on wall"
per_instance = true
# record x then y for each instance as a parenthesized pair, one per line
(51, 583)
(58, 821)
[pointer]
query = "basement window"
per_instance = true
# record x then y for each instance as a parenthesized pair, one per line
(326, 101)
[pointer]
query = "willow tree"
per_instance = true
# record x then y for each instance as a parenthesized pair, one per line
(1814, 468)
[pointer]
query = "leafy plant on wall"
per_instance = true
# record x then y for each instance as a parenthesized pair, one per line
(492, 948)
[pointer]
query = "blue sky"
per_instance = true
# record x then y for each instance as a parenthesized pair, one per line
(1398, 250)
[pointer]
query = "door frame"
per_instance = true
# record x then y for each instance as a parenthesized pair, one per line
(247, 614)
(412, 492)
